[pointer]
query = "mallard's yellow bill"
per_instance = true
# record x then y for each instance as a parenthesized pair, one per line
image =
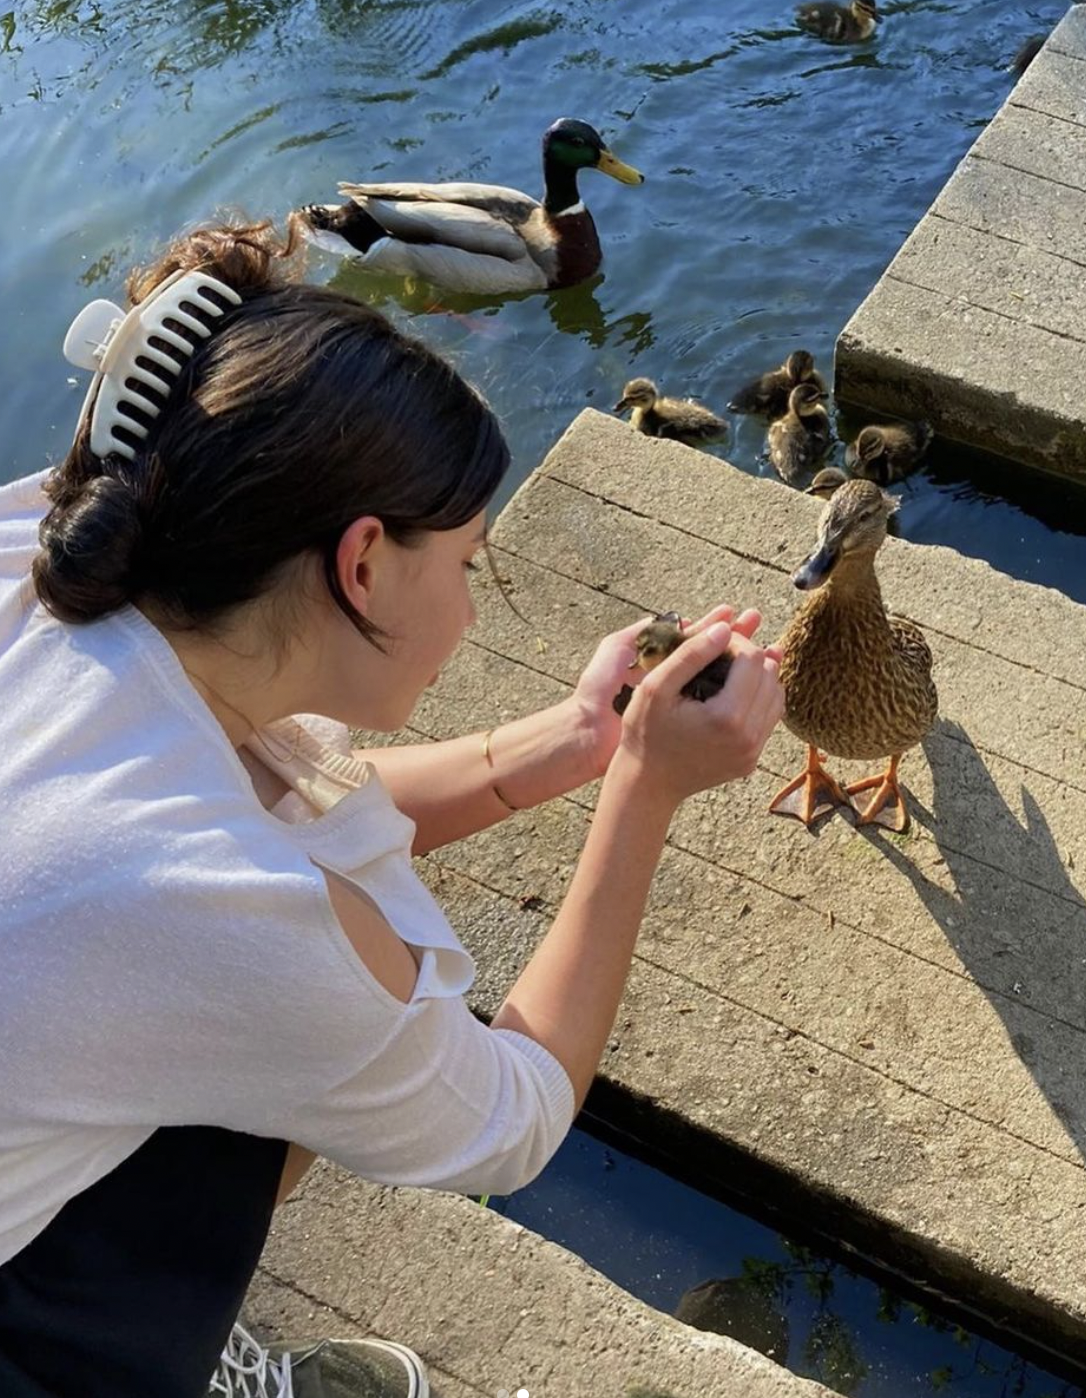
(618, 169)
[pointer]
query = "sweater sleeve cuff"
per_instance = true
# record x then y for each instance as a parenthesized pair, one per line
(553, 1078)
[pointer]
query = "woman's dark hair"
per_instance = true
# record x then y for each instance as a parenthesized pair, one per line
(303, 411)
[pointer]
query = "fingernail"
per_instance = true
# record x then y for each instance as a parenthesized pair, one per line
(719, 633)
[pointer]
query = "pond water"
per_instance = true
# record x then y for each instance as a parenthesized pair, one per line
(659, 1239)
(782, 175)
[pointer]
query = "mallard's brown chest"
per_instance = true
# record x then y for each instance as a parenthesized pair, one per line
(851, 688)
(576, 247)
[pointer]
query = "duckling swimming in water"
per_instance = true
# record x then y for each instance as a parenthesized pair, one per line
(839, 24)
(655, 643)
(677, 419)
(887, 453)
(768, 394)
(826, 482)
(857, 682)
(797, 441)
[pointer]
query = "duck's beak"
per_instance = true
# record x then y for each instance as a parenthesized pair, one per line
(814, 572)
(621, 405)
(618, 169)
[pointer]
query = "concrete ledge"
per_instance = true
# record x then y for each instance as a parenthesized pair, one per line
(977, 324)
(488, 1305)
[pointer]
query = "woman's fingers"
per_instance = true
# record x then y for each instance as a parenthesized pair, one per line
(693, 655)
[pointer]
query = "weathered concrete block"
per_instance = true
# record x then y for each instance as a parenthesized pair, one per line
(979, 323)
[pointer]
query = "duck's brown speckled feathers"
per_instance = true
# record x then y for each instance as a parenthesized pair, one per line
(857, 682)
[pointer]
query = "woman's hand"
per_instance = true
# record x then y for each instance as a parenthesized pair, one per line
(677, 746)
(609, 669)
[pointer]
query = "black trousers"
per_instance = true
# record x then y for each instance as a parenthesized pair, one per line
(130, 1292)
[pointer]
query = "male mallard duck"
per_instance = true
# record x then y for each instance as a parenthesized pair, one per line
(768, 394)
(480, 238)
(655, 643)
(826, 482)
(888, 453)
(799, 439)
(839, 24)
(678, 419)
(857, 682)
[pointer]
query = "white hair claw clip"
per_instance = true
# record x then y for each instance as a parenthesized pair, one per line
(107, 340)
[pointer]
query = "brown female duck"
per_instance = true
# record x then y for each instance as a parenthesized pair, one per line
(857, 682)
(678, 419)
(768, 393)
(799, 440)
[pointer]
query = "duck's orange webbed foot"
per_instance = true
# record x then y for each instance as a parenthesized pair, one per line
(887, 806)
(812, 794)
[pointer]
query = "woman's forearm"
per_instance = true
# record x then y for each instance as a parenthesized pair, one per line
(450, 789)
(567, 996)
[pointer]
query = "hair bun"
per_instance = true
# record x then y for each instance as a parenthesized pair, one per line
(88, 549)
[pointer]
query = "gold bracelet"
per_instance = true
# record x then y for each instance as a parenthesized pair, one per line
(495, 788)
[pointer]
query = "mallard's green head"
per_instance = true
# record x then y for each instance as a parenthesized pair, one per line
(805, 399)
(853, 522)
(638, 393)
(574, 145)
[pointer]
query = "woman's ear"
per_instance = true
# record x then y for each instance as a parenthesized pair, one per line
(357, 558)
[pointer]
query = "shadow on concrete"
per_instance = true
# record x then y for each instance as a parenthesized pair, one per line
(1014, 916)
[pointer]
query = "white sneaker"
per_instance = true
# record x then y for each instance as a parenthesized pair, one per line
(322, 1369)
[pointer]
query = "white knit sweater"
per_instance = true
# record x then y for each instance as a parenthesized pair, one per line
(168, 952)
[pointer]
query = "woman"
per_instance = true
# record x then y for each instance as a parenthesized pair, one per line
(218, 960)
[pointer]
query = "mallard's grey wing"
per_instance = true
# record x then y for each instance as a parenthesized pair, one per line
(454, 225)
(512, 204)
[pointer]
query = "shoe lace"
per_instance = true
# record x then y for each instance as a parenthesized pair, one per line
(247, 1370)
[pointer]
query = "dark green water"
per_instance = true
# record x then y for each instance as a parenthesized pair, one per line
(782, 177)
(659, 1238)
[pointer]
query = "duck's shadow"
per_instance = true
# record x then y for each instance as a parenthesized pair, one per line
(1012, 913)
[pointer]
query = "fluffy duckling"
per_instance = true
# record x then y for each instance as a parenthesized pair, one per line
(677, 419)
(478, 238)
(768, 394)
(655, 643)
(857, 682)
(797, 441)
(887, 453)
(1026, 54)
(839, 24)
(826, 482)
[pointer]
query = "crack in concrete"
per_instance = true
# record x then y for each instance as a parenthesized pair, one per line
(1005, 238)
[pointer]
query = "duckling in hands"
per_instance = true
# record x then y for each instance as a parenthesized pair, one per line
(478, 238)
(839, 24)
(826, 482)
(857, 682)
(888, 453)
(797, 441)
(678, 419)
(768, 394)
(655, 643)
